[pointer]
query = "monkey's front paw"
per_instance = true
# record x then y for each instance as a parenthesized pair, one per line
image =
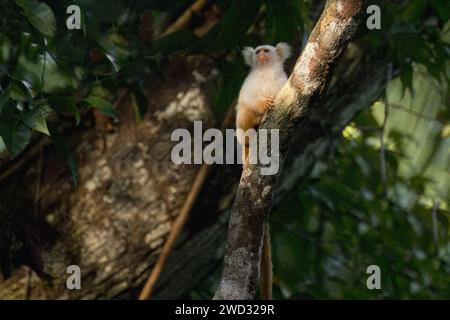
(270, 102)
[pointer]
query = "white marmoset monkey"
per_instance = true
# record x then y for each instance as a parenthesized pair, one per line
(265, 80)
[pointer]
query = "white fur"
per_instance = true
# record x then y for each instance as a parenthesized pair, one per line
(284, 50)
(262, 81)
(249, 56)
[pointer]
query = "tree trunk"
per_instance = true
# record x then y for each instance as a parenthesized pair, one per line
(303, 92)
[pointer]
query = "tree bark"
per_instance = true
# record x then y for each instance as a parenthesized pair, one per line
(114, 222)
(304, 90)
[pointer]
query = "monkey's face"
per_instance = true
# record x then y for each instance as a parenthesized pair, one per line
(264, 55)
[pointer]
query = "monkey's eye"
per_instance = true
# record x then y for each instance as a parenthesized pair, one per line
(266, 50)
(257, 51)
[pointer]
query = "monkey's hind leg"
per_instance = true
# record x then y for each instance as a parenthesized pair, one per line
(245, 153)
(245, 120)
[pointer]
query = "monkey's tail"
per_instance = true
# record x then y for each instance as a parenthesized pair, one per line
(266, 266)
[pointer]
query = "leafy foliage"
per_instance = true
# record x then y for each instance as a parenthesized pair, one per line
(339, 223)
(39, 15)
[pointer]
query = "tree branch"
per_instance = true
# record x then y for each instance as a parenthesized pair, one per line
(301, 95)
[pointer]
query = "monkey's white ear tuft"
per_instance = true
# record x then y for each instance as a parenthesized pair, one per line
(283, 50)
(249, 56)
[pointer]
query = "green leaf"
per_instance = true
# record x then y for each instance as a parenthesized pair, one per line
(35, 119)
(15, 134)
(115, 50)
(18, 92)
(40, 15)
(41, 125)
(65, 104)
(74, 110)
(103, 105)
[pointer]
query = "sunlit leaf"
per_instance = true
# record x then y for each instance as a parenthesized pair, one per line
(35, 119)
(102, 105)
(41, 125)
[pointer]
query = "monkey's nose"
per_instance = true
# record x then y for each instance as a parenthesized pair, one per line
(262, 57)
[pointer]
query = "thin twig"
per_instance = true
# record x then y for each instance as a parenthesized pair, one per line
(184, 19)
